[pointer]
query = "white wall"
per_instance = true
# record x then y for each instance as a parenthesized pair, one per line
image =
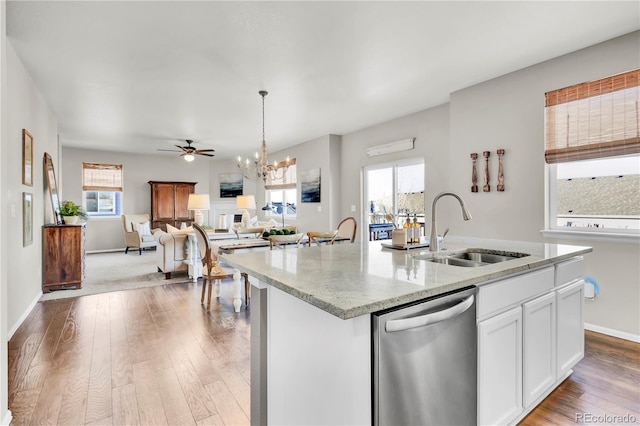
(507, 112)
(5, 414)
(138, 170)
(29, 111)
(431, 130)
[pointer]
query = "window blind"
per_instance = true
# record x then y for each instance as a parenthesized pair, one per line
(595, 119)
(286, 180)
(101, 177)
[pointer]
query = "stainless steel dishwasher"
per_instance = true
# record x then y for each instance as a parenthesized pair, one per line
(424, 362)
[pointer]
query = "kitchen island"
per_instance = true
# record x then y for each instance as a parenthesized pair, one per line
(311, 319)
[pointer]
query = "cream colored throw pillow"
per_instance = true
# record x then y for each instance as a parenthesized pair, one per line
(174, 230)
(143, 228)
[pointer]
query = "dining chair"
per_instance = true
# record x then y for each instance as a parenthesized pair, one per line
(282, 241)
(347, 228)
(321, 237)
(211, 269)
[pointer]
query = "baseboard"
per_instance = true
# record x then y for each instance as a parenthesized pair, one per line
(612, 332)
(7, 419)
(105, 251)
(23, 316)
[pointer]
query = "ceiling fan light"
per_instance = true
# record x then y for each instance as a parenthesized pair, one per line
(189, 157)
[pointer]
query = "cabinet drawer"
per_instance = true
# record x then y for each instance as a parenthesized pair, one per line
(495, 297)
(570, 270)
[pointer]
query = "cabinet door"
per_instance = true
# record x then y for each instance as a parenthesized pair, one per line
(570, 341)
(182, 191)
(539, 345)
(500, 368)
(163, 202)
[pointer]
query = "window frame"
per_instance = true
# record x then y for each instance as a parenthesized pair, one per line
(289, 184)
(553, 230)
(116, 196)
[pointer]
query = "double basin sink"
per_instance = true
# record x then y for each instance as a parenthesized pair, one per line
(470, 258)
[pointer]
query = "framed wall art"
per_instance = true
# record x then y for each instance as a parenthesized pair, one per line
(27, 158)
(27, 219)
(231, 185)
(310, 186)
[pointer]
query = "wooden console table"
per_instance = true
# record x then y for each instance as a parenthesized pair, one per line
(63, 257)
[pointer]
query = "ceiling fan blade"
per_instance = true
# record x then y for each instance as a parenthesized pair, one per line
(185, 149)
(204, 150)
(204, 153)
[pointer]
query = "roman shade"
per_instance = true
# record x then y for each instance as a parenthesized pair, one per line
(101, 177)
(595, 119)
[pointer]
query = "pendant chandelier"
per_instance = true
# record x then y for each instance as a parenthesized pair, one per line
(261, 167)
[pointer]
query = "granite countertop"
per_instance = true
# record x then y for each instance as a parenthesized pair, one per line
(349, 280)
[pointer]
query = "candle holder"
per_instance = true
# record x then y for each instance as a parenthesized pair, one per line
(500, 186)
(486, 187)
(474, 174)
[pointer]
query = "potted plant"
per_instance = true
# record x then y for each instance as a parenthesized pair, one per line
(71, 212)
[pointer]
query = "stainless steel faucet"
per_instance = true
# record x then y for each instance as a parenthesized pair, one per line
(434, 244)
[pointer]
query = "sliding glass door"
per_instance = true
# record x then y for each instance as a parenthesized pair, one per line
(393, 194)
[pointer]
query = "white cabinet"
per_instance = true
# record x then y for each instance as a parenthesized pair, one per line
(530, 334)
(570, 301)
(539, 346)
(500, 368)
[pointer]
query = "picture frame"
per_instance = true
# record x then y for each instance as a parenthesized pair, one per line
(27, 158)
(52, 184)
(27, 219)
(310, 186)
(231, 185)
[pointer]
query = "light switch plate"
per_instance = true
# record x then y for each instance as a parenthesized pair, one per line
(319, 209)
(353, 208)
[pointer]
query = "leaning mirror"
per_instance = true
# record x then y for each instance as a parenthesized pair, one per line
(52, 184)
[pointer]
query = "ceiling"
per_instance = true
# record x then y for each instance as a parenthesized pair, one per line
(140, 76)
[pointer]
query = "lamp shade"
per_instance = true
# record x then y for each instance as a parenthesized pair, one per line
(246, 202)
(198, 202)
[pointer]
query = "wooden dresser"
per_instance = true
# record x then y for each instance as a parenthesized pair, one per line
(63, 257)
(169, 203)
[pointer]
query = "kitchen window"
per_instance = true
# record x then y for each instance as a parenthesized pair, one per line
(102, 189)
(592, 147)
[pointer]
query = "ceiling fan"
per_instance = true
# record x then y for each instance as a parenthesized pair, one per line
(188, 151)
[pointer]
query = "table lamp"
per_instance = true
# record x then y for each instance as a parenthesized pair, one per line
(246, 202)
(197, 203)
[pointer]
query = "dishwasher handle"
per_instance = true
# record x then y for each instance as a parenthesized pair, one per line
(431, 318)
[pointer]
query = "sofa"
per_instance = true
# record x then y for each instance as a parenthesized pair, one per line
(171, 252)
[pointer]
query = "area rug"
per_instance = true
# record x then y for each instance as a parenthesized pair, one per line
(107, 272)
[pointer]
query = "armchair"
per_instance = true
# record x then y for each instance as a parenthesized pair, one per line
(137, 232)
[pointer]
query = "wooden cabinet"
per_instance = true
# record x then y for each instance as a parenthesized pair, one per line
(62, 257)
(169, 203)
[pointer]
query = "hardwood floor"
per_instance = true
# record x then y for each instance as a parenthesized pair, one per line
(154, 356)
(149, 356)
